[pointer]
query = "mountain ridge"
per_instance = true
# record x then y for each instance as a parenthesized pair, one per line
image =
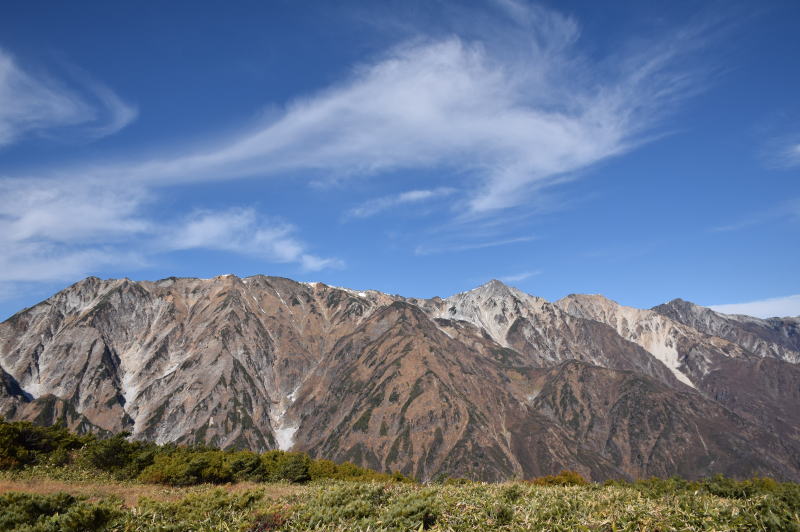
(463, 385)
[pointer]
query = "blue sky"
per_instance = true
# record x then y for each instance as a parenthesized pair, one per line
(640, 151)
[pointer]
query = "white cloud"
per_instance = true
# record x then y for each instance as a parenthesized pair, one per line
(46, 261)
(377, 205)
(36, 103)
(519, 276)
(446, 248)
(118, 113)
(765, 308)
(241, 231)
(513, 108)
(55, 230)
(510, 108)
(69, 211)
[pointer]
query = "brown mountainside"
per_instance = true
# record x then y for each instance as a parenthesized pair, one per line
(492, 383)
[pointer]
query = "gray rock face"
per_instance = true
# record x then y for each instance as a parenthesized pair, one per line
(492, 383)
(774, 337)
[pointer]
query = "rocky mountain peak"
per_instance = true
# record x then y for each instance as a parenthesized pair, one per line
(774, 337)
(493, 307)
(589, 306)
(490, 383)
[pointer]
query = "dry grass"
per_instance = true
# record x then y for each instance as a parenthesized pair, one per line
(130, 493)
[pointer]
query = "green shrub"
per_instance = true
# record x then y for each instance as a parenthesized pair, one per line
(501, 513)
(353, 503)
(202, 511)
(456, 481)
(512, 493)
(413, 510)
(124, 459)
(268, 522)
(565, 478)
(247, 465)
(58, 512)
(23, 443)
(320, 469)
(293, 467)
(186, 467)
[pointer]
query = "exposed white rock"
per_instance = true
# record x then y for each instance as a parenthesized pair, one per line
(493, 307)
(285, 437)
(655, 333)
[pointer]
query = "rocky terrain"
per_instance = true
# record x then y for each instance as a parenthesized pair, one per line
(492, 383)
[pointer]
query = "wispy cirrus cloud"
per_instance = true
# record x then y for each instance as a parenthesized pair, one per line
(447, 248)
(513, 108)
(764, 308)
(52, 230)
(36, 103)
(505, 110)
(788, 155)
(378, 205)
(241, 230)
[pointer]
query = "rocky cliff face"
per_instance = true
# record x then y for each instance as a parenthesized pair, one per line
(491, 383)
(771, 338)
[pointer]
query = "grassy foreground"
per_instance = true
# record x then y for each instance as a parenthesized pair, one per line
(53, 480)
(58, 498)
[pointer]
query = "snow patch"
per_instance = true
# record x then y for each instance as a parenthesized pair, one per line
(32, 388)
(284, 432)
(351, 291)
(285, 437)
(128, 389)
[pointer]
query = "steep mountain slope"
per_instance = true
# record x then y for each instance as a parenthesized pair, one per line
(774, 337)
(544, 333)
(764, 391)
(491, 383)
(179, 359)
(688, 354)
(647, 428)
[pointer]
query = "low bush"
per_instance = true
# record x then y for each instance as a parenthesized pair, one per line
(186, 467)
(59, 512)
(501, 514)
(412, 511)
(267, 522)
(280, 465)
(565, 478)
(366, 506)
(23, 444)
(118, 456)
(512, 493)
(206, 511)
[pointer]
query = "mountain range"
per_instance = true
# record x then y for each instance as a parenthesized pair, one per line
(491, 384)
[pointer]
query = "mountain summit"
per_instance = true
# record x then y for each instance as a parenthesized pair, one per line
(492, 383)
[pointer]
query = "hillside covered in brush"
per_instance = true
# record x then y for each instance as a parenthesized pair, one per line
(489, 384)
